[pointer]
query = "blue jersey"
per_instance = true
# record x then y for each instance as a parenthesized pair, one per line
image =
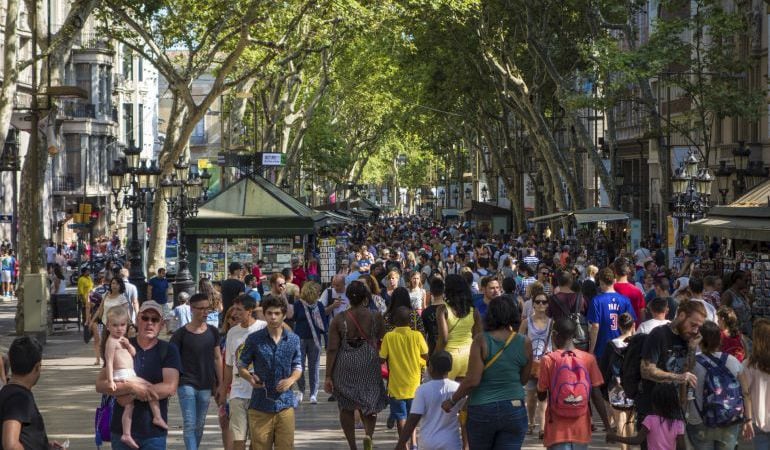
(605, 310)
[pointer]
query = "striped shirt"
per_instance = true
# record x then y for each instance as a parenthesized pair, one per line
(531, 261)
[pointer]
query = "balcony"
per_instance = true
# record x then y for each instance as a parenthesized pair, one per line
(66, 183)
(199, 139)
(93, 41)
(77, 110)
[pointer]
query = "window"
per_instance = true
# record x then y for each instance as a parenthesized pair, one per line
(140, 68)
(83, 77)
(72, 165)
(128, 123)
(128, 63)
(140, 124)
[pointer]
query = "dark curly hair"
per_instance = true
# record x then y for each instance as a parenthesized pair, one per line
(357, 293)
(399, 297)
(457, 294)
(501, 314)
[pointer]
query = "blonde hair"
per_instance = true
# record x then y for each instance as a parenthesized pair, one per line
(310, 292)
(117, 313)
(592, 271)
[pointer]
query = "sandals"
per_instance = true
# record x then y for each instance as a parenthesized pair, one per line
(531, 429)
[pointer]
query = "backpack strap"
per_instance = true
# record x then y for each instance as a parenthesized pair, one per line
(500, 351)
(561, 305)
(579, 303)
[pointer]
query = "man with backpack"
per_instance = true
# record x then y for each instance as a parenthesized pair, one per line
(568, 378)
(716, 414)
(605, 310)
(663, 356)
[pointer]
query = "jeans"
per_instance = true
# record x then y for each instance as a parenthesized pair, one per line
(194, 404)
(313, 354)
(568, 446)
(761, 439)
(722, 438)
(156, 443)
(497, 426)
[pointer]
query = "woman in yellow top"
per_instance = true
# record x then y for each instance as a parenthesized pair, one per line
(458, 322)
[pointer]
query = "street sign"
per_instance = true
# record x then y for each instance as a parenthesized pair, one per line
(6, 218)
(272, 159)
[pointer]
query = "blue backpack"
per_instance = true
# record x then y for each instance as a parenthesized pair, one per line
(722, 396)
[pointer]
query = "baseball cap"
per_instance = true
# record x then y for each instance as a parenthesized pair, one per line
(151, 304)
(235, 265)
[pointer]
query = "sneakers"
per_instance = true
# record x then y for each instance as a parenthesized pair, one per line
(368, 443)
(313, 400)
(391, 422)
(300, 396)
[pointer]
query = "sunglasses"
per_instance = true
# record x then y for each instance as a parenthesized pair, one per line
(540, 302)
(150, 319)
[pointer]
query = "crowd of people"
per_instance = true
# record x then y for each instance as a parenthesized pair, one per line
(464, 339)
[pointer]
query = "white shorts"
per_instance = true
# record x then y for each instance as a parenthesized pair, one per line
(123, 374)
(6, 276)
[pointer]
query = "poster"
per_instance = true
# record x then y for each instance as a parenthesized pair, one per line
(636, 234)
(327, 258)
(670, 240)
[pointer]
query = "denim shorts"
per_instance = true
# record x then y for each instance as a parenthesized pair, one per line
(498, 425)
(399, 409)
(568, 446)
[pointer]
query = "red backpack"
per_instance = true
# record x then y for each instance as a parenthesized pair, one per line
(570, 388)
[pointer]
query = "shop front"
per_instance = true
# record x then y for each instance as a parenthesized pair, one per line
(251, 221)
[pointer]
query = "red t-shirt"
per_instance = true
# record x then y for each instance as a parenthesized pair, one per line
(564, 429)
(635, 295)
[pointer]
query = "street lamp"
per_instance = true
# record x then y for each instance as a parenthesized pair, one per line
(442, 197)
(691, 184)
(484, 194)
(456, 196)
(137, 182)
(468, 193)
(183, 192)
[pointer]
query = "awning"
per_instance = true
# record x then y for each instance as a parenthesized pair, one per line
(552, 216)
(754, 229)
(602, 217)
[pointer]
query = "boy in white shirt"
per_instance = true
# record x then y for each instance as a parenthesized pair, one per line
(439, 430)
(245, 309)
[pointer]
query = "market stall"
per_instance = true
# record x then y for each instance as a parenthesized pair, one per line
(251, 220)
(742, 230)
(488, 217)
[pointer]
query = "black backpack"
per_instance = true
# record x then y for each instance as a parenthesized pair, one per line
(631, 375)
(581, 339)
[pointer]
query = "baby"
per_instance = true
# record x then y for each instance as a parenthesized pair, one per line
(119, 363)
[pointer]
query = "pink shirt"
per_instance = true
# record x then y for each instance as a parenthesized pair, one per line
(662, 433)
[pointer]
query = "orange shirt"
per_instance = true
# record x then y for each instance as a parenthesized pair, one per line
(562, 429)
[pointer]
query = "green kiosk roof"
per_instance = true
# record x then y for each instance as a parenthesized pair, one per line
(251, 206)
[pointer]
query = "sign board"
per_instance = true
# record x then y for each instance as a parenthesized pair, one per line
(670, 239)
(6, 218)
(327, 258)
(272, 159)
(636, 234)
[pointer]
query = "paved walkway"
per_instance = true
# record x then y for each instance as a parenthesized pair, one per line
(66, 397)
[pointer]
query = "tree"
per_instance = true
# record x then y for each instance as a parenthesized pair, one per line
(233, 40)
(34, 166)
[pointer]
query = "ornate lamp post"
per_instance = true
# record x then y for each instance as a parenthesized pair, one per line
(484, 194)
(691, 185)
(137, 181)
(184, 192)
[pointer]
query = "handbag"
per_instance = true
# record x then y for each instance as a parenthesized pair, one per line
(581, 339)
(535, 371)
(384, 371)
(87, 334)
(102, 419)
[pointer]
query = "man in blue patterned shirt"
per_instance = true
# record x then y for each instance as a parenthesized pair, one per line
(275, 356)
